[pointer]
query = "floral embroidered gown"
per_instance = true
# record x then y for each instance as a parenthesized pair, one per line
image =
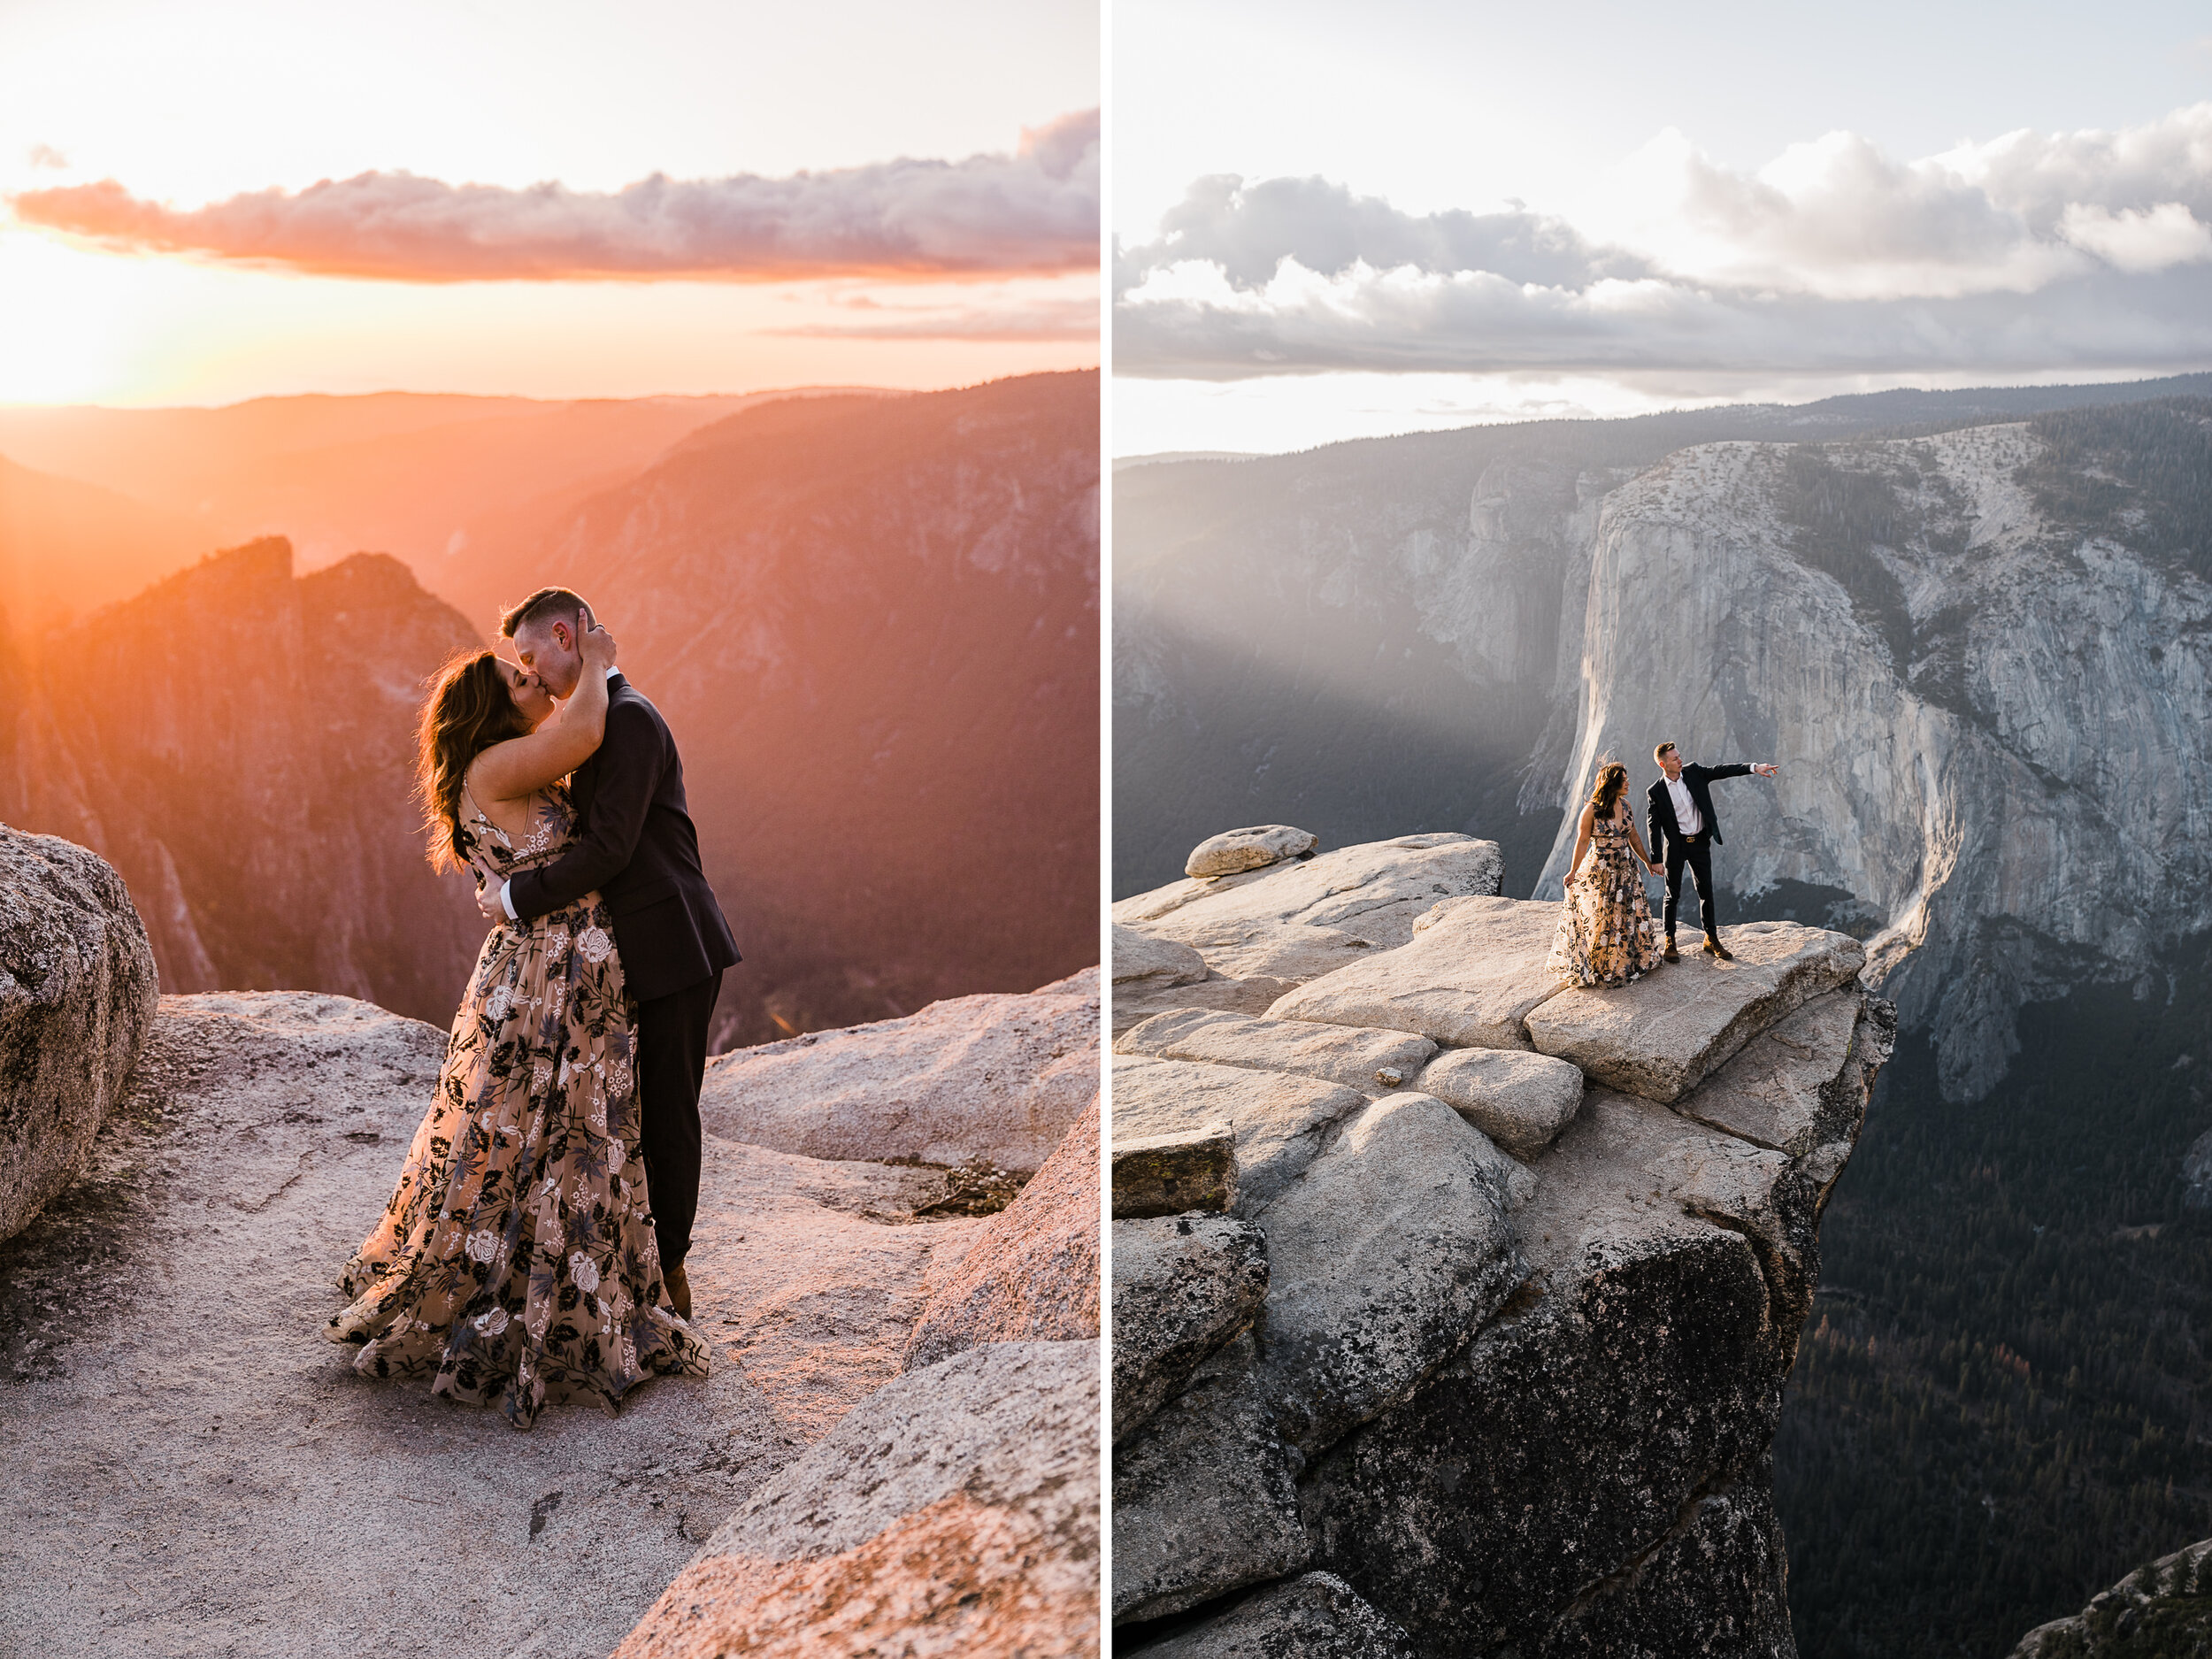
(516, 1261)
(1605, 934)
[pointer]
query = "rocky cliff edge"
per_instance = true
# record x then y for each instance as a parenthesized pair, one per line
(171, 1400)
(1452, 1306)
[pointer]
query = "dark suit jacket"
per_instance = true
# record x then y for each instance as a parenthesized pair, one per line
(1659, 805)
(636, 847)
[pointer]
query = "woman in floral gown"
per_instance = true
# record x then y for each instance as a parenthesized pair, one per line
(516, 1261)
(1605, 934)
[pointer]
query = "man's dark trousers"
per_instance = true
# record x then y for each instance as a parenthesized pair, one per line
(1697, 852)
(671, 1058)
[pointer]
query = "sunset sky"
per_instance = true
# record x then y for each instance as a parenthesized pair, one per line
(245, 197)
(1459, 212)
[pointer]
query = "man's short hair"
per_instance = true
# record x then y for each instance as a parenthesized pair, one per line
(1659, 753)
(542, 604)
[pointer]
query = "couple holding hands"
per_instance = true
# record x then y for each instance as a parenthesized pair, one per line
(1605, 934)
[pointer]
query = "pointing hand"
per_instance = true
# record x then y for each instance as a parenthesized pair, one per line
(1765, 769)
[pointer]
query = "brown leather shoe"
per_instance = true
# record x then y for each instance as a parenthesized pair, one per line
(1670, 954)
(679, 1289)
(1714, 947)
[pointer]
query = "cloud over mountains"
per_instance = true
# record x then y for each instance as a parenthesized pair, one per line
(2030, 252)
(1034, 211)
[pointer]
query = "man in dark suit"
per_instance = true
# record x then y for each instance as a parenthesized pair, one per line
(636, 847)
(1679, 809)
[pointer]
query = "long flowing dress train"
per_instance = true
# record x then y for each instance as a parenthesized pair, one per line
(516, 1261)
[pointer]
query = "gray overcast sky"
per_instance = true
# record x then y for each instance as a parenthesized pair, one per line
(1432, 108)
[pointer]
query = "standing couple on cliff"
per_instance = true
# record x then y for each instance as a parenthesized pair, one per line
(534, 1249)
(1605, 934)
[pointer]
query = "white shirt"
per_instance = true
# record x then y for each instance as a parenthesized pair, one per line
(1686, 812)
(506, 903)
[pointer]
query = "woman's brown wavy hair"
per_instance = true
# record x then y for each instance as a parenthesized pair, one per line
(469, 709)
(1612, 779)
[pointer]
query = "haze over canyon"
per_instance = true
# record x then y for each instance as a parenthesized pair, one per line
(870, 618)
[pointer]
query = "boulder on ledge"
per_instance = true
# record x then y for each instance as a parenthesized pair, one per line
(1235, 850)
(1147, 962)
(1521, 1101)
(77, 998)
(1279, 1122)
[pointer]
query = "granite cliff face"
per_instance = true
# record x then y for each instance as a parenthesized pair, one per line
(1976, 654)
(238, 742)
(1452, 1305)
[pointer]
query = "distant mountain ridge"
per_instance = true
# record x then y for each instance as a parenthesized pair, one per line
(237, 740)
(873, 621)
(432, 478)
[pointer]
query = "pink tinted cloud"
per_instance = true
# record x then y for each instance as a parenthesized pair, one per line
(1034, 211)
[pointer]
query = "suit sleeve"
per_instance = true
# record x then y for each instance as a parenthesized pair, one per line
(1737, 771)
(632, 758)
(1651, 825)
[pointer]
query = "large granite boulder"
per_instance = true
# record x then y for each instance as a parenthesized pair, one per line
(1033, 1273)
(1521, 1101)
(1204, 1499)
(1234, 851)
(1298, 920)
(994, 1079)
(77, 997)
(1147, 962)
(1660, 1036)
(1183, 1287)
(954, 1512)
(1472, 972)
(1316, 1616)
(1278, 1122)
(1358, 1059)
(1395, 1245)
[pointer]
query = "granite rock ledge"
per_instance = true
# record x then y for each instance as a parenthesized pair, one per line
(1503, 1391)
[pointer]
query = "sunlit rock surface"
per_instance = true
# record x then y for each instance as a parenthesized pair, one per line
(173, 1393)
(77, 994)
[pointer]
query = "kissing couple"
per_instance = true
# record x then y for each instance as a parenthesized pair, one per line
(534, 1249)
(1605, 935)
